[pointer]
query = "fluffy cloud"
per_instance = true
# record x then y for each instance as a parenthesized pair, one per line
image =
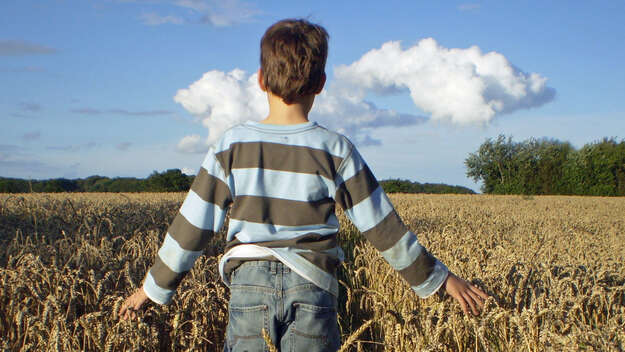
(221, 100)
(192, 144)
(460, 85)
(188, 171)
(339, 109)
(463, 86)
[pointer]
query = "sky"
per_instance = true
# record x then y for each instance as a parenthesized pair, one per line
(122, 88)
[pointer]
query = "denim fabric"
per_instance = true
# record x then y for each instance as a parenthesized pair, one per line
(297, 315)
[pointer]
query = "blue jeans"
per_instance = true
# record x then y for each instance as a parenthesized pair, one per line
(297, 315)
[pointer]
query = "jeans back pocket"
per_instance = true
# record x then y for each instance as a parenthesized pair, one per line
(314, 328)
(244, 331)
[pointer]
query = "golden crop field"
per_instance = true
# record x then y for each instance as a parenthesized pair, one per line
(553, 265)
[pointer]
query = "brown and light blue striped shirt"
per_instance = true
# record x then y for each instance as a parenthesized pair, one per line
(282, 183)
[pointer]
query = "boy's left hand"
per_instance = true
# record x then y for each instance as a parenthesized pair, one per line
(132, 303)
(469, 296)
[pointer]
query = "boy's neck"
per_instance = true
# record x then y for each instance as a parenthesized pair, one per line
(281, 113)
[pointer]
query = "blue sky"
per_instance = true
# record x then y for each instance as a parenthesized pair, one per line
(122, 88)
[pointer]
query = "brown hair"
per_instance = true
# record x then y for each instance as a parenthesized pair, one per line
(293, 55)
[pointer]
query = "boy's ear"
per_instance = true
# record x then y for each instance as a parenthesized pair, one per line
(321, 83)
(260, 80)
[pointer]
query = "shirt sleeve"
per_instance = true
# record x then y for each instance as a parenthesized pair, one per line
(368, 207)
(201, 215)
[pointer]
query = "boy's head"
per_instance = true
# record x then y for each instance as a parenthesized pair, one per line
(293, 56)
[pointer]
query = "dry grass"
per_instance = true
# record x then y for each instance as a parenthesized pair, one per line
(554, 266)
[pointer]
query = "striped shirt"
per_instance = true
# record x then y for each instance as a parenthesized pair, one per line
(282, 183)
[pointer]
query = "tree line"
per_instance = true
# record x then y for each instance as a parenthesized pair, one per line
(174, 180)
(549, 166)
(405, 186)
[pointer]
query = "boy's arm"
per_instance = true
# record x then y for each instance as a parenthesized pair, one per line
(201, 215)
(368, 207)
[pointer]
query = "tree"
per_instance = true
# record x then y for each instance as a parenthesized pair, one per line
(493, 164)
(548, 166)
(13, 185)
(173, 180)
(60, 185)
(601, 168)
(406, 186)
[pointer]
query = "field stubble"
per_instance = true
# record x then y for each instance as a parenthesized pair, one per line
(553, 265)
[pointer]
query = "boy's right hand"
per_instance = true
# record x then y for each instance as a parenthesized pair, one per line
(132, 304)
(465, 293)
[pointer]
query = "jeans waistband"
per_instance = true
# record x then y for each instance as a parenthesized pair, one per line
(271, 265)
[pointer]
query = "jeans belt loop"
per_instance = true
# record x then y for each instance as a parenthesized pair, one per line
(273, 267)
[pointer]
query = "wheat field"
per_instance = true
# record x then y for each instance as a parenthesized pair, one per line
(554, 267)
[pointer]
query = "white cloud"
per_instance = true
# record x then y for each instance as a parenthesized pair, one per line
(154, 19)
(188, 171)
(460, 85)
(221, 100)
(463, 86)
(338, 109)
(192, 144)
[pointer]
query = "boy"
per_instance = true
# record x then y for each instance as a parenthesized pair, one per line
(281, 177)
